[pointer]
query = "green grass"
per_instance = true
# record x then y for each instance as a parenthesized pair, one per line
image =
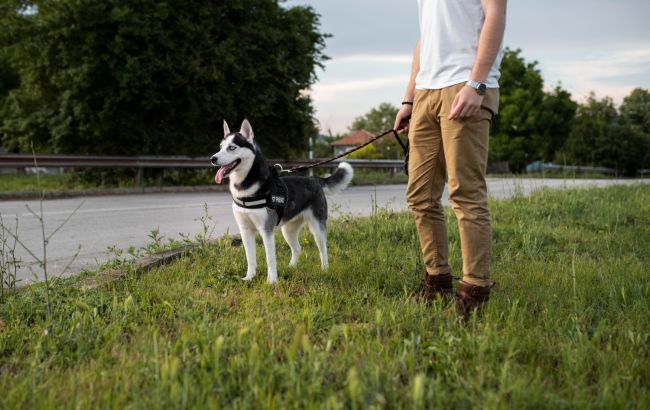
(561, 175)
(378, 177)
(567, 325)
(69, 181)
(29, 183)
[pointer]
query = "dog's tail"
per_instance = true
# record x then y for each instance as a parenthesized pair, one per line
(339, 180)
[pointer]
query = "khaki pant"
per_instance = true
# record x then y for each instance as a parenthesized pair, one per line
(461, 148)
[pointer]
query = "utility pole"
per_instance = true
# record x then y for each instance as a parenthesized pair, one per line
(311, 154)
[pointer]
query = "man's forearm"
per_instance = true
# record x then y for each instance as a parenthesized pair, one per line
(490, 38)
(415, 69)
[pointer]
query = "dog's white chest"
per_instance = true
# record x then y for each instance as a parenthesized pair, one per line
(257, 219)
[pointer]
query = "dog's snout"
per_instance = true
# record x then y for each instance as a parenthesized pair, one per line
(213, 160)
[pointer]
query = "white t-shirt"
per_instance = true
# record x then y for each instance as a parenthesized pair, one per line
(449, 34)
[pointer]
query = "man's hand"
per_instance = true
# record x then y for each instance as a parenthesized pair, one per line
(467, 103)
(402, 118)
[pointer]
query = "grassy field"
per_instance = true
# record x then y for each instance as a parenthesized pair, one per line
(567, 326)
(29, 183)
(69, 181)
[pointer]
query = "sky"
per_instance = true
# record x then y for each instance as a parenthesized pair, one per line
(585, 45)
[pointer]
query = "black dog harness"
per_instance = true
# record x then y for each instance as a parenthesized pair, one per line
(274, 197)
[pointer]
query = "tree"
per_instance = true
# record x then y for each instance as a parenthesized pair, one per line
(635, 112)
(9, 80)
(531, 124)
(600, 137)
(515, 129)
(141, 77)
(375, 121)
(555, 121)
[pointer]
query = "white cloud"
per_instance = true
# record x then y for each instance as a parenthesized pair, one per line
(374, 59)
(324, 92)
(354, 83)
(612, 73)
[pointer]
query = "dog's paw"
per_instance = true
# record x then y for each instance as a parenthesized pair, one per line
(248, 278)
(272, 281)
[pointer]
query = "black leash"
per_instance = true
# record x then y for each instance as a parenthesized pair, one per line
(370, 141)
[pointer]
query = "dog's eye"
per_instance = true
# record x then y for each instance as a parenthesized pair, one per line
(232, 148)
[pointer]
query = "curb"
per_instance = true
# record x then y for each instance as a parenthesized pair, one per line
(142, 265)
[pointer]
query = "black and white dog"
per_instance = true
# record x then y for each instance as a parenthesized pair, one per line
(262, 200)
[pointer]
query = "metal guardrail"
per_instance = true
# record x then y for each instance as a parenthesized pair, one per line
(81, 161)
(578, 169)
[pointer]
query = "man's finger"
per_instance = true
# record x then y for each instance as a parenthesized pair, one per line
(401, 123)
(455, 111)
(466, 112)
(454, 103)
(399, 120)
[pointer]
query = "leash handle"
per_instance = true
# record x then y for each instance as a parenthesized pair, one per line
(401, 144)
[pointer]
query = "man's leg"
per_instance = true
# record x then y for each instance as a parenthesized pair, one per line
(425, 187)
(465, 145)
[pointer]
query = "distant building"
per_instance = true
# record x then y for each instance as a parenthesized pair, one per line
(351, 141)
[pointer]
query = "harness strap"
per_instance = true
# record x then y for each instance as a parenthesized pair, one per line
(275, 198)
(251, 202)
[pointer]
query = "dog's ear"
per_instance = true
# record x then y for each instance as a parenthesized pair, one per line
(247, 130)
(226, 129)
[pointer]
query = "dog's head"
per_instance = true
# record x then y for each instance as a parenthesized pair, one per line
(237, 152)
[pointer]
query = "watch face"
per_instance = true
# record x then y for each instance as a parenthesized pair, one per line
(481, 89)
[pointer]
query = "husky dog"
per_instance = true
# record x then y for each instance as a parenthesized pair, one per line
(263, 201)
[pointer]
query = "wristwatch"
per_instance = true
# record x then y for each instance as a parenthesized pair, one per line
(479, 87)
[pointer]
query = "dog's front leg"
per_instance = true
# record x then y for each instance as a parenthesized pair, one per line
(269, 247)
(248, 238)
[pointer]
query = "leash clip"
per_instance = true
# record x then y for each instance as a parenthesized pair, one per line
(279, 168)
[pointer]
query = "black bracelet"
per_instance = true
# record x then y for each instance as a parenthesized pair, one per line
(407, 102)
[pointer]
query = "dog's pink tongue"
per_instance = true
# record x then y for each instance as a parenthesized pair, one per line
(220, 173)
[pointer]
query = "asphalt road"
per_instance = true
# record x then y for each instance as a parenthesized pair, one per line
(124, 221)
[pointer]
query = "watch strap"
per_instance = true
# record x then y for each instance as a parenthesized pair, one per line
(479, 87)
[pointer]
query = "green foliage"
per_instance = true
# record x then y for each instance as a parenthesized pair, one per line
(9, 80)
(148, 77)
(602, 137)
(375, 121)
(557, 113)
(367, 152)
(635, 111)
(531, 125)
(323, 146)
(566, 327)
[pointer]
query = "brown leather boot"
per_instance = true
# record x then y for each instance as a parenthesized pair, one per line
(434, 285)
(471, 298)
